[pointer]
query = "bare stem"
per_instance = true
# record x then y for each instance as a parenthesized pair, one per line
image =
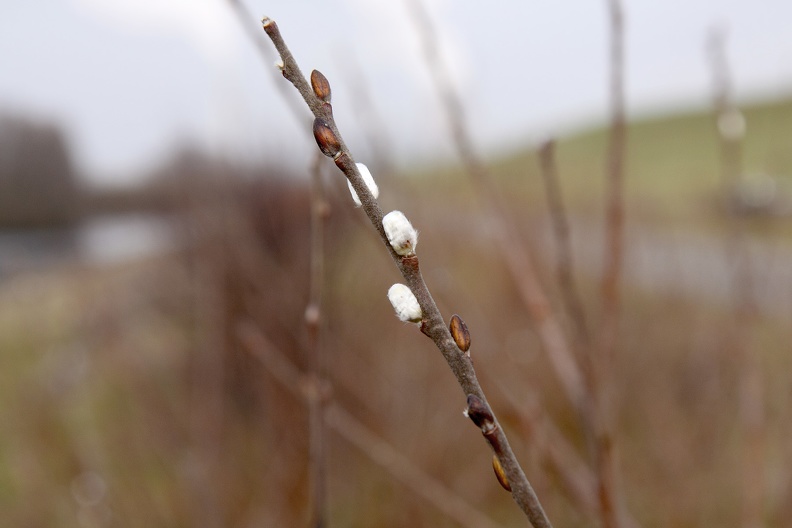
(433, 324)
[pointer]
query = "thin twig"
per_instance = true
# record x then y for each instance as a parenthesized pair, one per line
(316, 359)
(432, 324)
(356, 433)
(251, 29)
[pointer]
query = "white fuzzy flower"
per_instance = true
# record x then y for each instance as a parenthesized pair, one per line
(368, 179)
(405, 303)
(401, 234)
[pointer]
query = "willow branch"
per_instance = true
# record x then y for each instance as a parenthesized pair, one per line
(432, 323)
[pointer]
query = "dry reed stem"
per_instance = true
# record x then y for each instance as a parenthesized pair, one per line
(514, 248)
(356, 433)
(433, 324)
(611, 279)
(751, 402)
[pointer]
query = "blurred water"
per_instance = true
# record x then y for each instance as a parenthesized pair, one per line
(691, 265)
(111, 239)
(100, 240)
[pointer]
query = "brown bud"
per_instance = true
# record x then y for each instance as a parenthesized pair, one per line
(326, 138)
(500, 474)
(460, 333)
(320, 85)
(479, 412)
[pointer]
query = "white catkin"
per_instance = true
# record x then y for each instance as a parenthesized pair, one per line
(368, 179)
(401, 234)
(405, 304)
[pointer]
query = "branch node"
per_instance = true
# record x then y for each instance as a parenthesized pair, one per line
(480, 413)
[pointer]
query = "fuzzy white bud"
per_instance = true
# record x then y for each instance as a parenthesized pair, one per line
(405, 304)
(368, 179)
(401, 234)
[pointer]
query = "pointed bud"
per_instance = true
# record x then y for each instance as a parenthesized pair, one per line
(405, 304)
(321, 86)
(480, 413)
(401, 234)
(460, 333)
(326, 138)
(500, 474)
(368, 179)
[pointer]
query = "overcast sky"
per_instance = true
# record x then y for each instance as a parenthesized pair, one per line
(130, 79)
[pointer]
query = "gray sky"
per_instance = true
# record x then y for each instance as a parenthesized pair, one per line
(129, 79)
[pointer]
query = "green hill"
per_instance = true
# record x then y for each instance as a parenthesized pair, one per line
(672, 165)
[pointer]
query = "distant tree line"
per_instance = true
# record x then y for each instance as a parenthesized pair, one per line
(40, 187)
(38, 184)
